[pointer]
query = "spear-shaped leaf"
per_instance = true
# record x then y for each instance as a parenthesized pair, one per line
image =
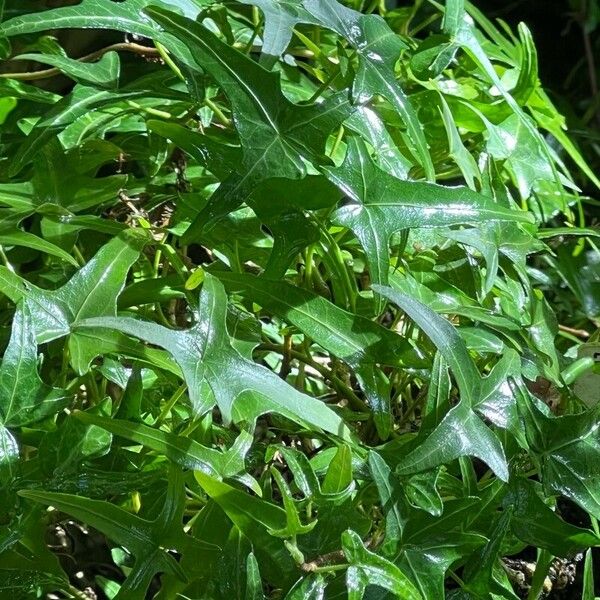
(103, 74)
(280, 19)
(215, 371)
(182, 451)
(376, 45)
(380, 205)
(96, 14)
(359, 342)
(461, 432)
(567, 450)
(148, 541)
(431, 544)
(91, 292)
(368, 568)
(255, 518)
(24, 397)
(277, 136)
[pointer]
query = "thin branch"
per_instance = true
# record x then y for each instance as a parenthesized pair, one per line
(46, 73)
(581, 333)
(345, 391)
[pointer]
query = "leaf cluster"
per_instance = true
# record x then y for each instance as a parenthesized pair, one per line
(295, 303)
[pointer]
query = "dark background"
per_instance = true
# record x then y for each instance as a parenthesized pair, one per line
(567, 38)
(558, 34)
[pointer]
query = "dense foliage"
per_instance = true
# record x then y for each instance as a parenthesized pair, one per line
(294, 303)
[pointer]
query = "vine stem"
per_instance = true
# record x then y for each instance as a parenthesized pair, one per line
(582, 333)
(5, 260)
(164, 54)
(121, 46)
(353, 400)
(170, 404)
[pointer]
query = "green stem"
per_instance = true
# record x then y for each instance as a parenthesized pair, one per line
(594, 522)
(161, 315)
(544, 560)
(151, 111)
(164, 54)
(341, 269)
(78, 256)
(578, 368)
(236, 265)
(308, 265)
(321, 89)
(223, 118)
(93, 394)
(338, 141)
(65, 366)
(5, 260)
(330, 568)
(170, 404)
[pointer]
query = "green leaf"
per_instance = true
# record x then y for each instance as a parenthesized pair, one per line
(28, 240)
(308, 588)
(215, 371)
(9, 455)
(306, 479)
(254, 517)
(339, 474)
(375, 43)
(528, 69)
(432, 56)
(438, 394)
(389, 492)
(146, 540)
(479, 572)
(280, 20)
(446, 339)
(378, 49)
(64, 450)
(354, 339)
(95, 341)
(367, 568)
(461, 432)
(454, 15)
(30, 582)
(103, 74)
(379, 205)
(536, 523)
(218, 157)
(277, 136)
(71, 108)
(431, 544)
(360, 343)
(532, 144)
(24, 397)
(254, 589)
(588, 578)
(465, 161)
(92, 291)
(293, 525)
(182, 451)
(566, 450)
(95, 14)
(13, 89)
(280, 158)
(497, 401)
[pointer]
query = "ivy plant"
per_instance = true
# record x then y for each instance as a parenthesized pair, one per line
(298, 301)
